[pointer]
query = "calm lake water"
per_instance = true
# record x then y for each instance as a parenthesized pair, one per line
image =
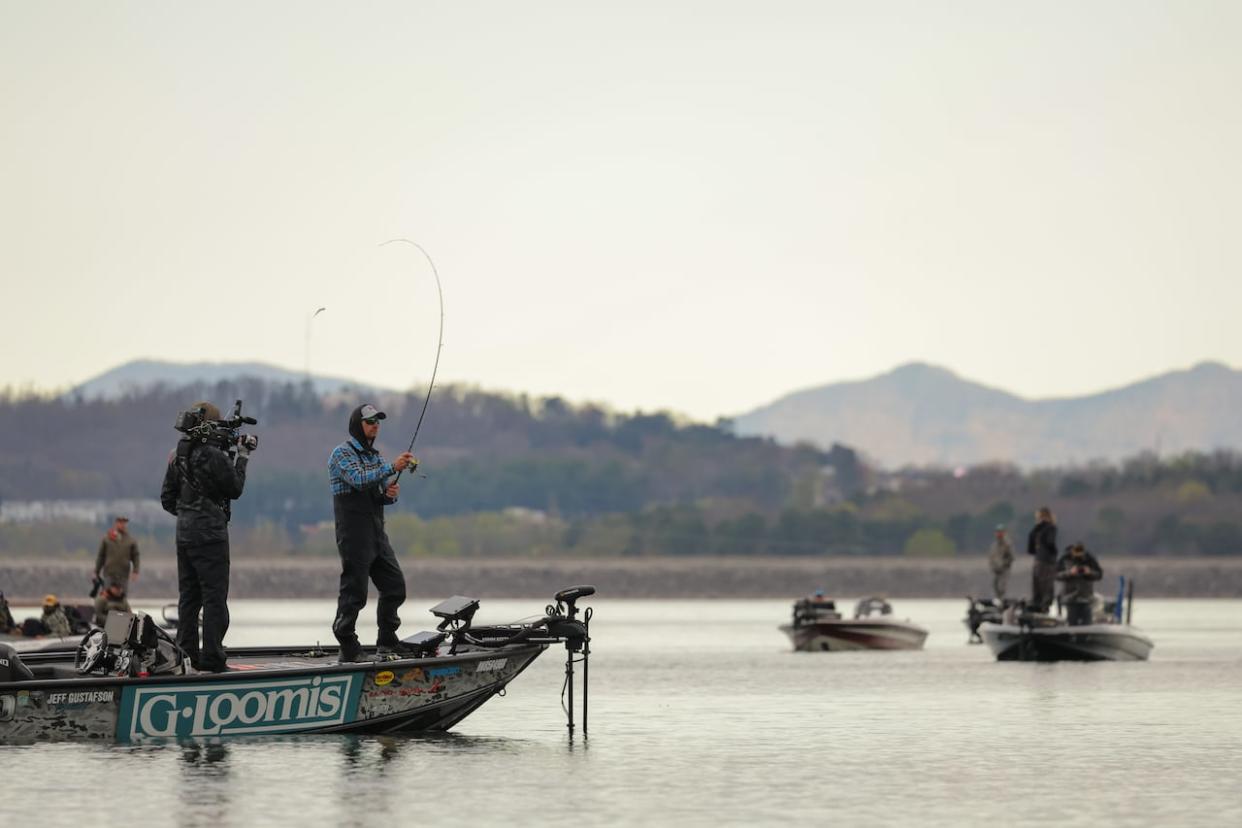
(700, 714)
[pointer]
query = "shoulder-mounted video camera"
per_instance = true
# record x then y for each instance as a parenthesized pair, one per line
(223, 434)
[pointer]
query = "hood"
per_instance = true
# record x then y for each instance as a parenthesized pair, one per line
(355, 428)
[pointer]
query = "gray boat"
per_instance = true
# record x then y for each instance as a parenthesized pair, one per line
(1060, 641)
(1088, 632)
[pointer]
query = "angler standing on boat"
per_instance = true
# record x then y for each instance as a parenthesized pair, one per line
(1000, 561)
(1078, 570)
(358, 475)
(1042, 543)
(115, 565)
(202, 477)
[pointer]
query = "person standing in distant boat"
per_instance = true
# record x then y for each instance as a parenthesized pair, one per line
(1042, 544)
(115, 566)
(358, 475)
(1000, 561)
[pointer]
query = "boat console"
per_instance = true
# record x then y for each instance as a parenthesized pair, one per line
(873, 605)
(129, 644)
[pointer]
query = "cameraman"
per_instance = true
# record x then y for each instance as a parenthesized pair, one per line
(202, 477)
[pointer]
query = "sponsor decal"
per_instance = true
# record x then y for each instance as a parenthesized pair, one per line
(282, 705)
(402, 692)
(415, 674)
(491, 665)
(81, 697)
(384, 677)
(4, 662)
(8, 706)
(444, 672)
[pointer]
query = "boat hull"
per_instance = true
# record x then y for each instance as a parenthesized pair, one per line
(855, 634)
(1091, 642)
(265, 692)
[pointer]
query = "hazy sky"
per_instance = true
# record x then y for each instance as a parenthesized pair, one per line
(689, 205)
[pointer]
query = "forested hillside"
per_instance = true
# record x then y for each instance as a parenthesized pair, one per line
(511, 475)
(478, 452)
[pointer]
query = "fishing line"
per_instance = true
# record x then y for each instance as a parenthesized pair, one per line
(439, 347)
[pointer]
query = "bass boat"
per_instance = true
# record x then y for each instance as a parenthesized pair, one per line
(818, 626)
(129, 682)
(1089, 632)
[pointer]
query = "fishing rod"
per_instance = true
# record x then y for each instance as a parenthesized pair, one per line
(439, 347)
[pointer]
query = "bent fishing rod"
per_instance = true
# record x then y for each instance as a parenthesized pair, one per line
(439, 347)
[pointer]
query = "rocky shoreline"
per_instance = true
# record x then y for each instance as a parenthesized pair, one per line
(25, 581)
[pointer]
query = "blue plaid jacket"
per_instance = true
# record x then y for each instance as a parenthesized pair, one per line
(352, 468)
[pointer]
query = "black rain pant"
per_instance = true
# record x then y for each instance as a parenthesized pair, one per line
(366, 555)
(203, 584)
(1043, 585)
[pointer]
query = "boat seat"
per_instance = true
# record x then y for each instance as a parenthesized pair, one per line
(12, 668)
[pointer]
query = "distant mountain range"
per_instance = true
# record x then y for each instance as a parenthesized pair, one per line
(917, 414)
(145, 373)
(921, 414)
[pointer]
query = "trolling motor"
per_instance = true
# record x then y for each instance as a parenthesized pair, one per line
(563, 624)
(560, 624)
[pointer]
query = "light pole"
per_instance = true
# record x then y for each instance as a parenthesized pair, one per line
(309, 320)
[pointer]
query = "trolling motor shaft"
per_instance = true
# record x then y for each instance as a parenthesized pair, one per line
(563, 623)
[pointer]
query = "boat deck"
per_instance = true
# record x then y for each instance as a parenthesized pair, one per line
(58, 665)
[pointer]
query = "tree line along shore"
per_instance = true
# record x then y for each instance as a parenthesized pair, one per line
(27, 580)
(510, 474)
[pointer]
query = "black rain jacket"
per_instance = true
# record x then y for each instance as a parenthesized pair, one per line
(1079, 587)
(201, 503)
(1042, 542)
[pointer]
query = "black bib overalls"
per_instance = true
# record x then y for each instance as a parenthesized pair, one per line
(365, 555)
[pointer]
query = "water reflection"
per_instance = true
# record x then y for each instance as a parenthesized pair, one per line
(363, 754)
(205, 789)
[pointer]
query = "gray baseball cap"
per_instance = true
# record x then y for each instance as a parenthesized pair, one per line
(369, 411)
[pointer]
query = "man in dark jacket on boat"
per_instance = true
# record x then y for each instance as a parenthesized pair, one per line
(359, 476)
(8, 624)
(1078, 570)
(199, 483)
(1042, 544)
